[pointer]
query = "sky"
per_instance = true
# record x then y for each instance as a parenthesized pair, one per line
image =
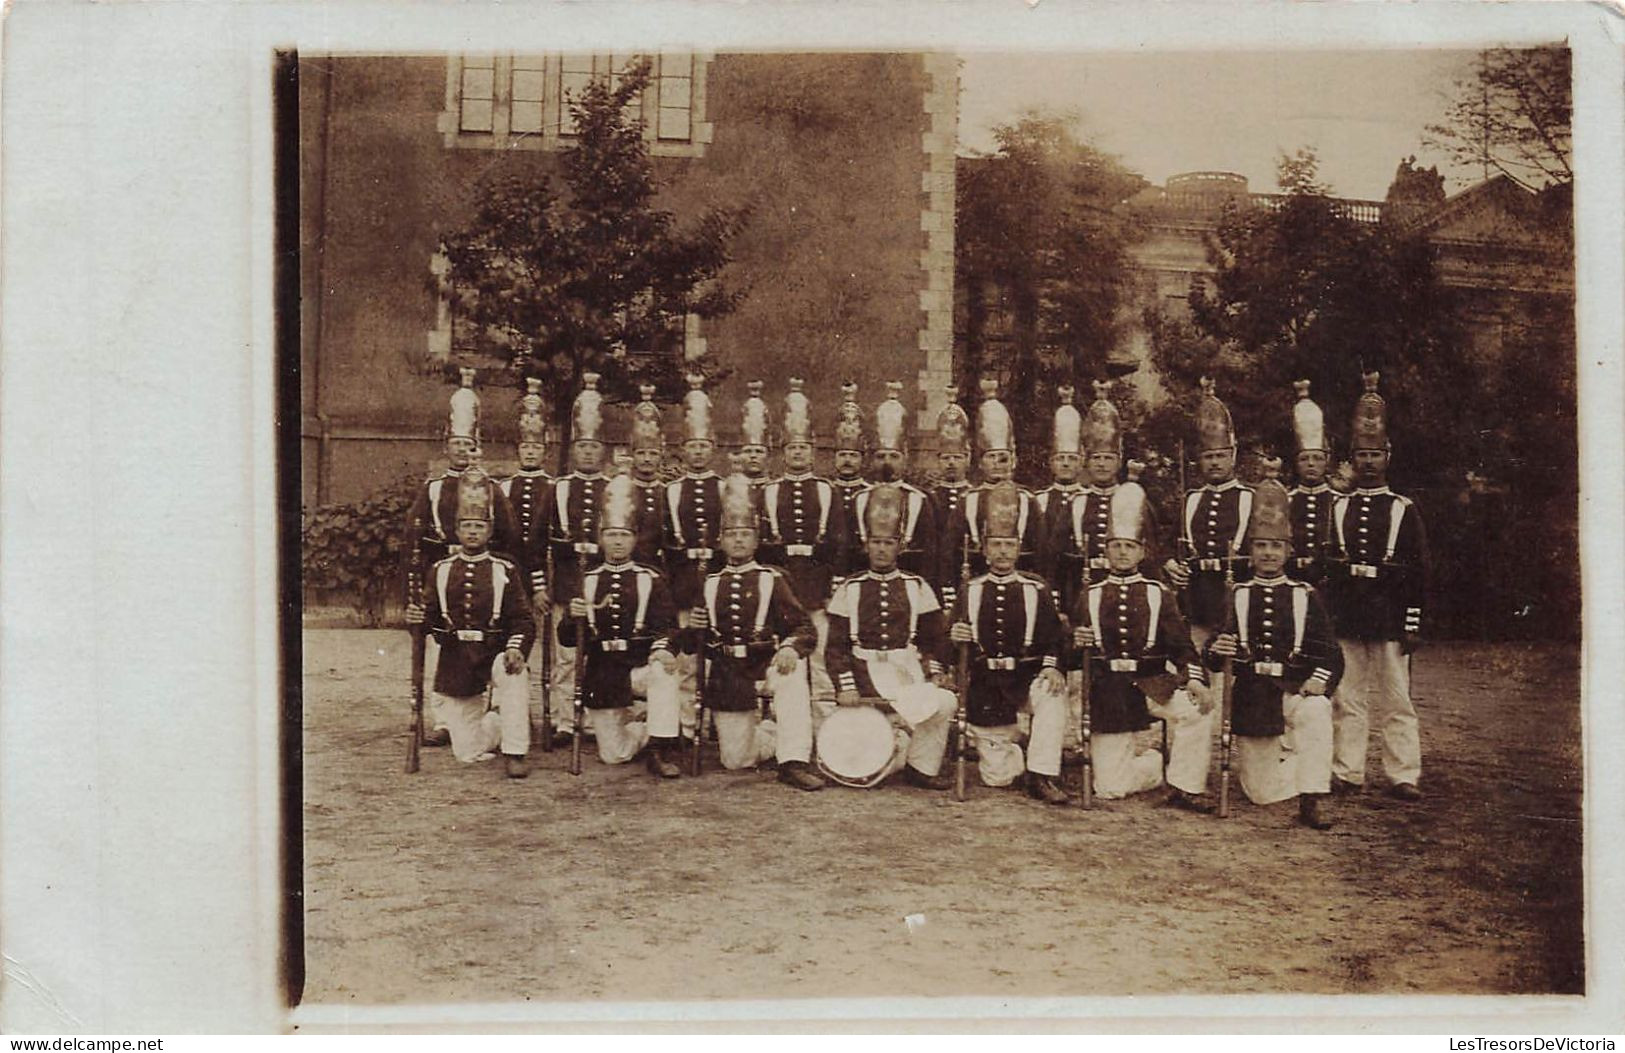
(1164, 113)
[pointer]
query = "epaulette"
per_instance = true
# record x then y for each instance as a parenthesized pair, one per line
(645, 568)
(1027, 575)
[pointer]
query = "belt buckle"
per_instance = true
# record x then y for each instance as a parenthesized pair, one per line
(699, 553)
(1123, 665)
(1210, 564)
(1001, 663)
(1362, 570)
(798, 550)
(1099, 563)
(736, 650)
(612, 645)
(586, 548)
(1268, 668)
(471, 635)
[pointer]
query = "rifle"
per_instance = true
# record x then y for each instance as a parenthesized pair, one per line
(547, 656)
(1088, 796)
(1227, 705)
(1185, 547)
(579, 702)
(419, 649)
(699, 701)
(962, 714)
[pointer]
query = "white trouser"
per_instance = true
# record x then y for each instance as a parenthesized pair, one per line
(688, 679)
(999, 756)
(922, 745)
(1276, 767)
(561, 699)
(619, 736)
(477, 730)
(1120, 771)
(1376, 676)
(434, 711)
(823, 687)
(744, 740)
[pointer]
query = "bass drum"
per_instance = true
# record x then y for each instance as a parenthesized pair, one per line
(855, 746)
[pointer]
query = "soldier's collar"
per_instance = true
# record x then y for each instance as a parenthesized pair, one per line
(1318, 488)
(1004, 579)
(455, 472)
(856, 480)
(617, 568)
(741, 568)
(707, 474)
(1124, 579)
(529, 473)
(798, 477)
(480, 558)
(962, 484)
(1102, 491)
(579, 474)
(890, 575)
(1229, 484)
(1372, 491)
(1279, 579)
(1067, 488)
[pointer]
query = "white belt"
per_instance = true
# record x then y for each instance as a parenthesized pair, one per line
(613, 645)
(737, 650)
(699, 553)
(471, 635)
(586, 548)
(1362, 570)
(1210, 564)
(798, 550)
(1269, 669)
(1100, 563)
(1000, 663)
(1123, 665)
(1304, 561)
(872, 655)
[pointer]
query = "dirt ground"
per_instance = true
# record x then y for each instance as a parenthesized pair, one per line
(457, 884)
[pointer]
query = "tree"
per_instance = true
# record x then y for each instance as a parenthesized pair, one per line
(1511, 113)
(1042, 244)
(600, 280)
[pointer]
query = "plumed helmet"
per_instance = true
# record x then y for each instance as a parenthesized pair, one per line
(883, 511)
(646, 434)
(849, 419)
(953, 425)
(754, 425)
(587, 415)
(697, 411)
(474, 497)
(1128, 518)
(1370, 428)
(464, 421)
(738, 502)
(1067, 432)
(1214, 430)
(1308, 422)
(532, 425)
(1003, 510)
(1271, 518)
(891, 419)
(620, 510)
(1102, 427)
(797, 414)
(994, 430)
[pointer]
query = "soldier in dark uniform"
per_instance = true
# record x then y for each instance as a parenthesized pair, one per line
(1376, 581)
(755, 437)
(848, 479)
(649, 494)
(530, 492)
(1008, 619)
(476, 607)
(917, 548)
(996, 438)
(1312, 498)
(693, 520)
(577, 501)
(1088, 511)
(1286, 664)
(1055, 501)
(948, 495)
(1142, 667)
(629, 618)
(887, 641)
(804, 528)
(431, 524)
(756, 637)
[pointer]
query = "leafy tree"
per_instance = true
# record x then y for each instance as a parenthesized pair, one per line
(598, 279)
(1040, 237)
(1511, 114)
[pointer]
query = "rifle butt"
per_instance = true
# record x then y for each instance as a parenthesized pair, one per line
(414, 746)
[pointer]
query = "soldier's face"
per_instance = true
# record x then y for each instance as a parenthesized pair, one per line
(1218, 466)
(697, 454)
(739, 544)
(646, 463)
(587, 455)
(1270, 556)
(955, 465)
(473, 534)
(617, 544)
(888, 465)
(1370, 467)
(1102, 468)
(531, 454)
(460, 450)
(882, 553)
(1312, 467)
(1123, 554)
(1065, 467)
(998, 465)
(798, 456)
(1001, 553)
(753, 460)
(848, 463)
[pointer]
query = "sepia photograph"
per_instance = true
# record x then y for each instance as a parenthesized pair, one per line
(801, 523)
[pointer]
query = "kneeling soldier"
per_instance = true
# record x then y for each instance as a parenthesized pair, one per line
(886, 642)
(755, 633)
(1009, 620)
(1135, 634)
(1287, 663)
(479, 614)
(627, 614)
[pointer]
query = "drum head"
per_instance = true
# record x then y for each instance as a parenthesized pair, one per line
(855, 745)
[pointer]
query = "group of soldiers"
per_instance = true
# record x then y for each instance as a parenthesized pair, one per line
(842, 628)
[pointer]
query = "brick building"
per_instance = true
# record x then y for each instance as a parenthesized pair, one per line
(847, 160)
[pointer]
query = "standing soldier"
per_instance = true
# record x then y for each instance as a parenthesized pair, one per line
(1377, 580)
(1135, 636)
(917, 547)
(578, 499)
(953, 462)
(848, 480)
(1286, 664)
(649, 492)
(693, 520)
(996, 438)
(756, 439)
(1009, 621)
(530, 492)
(1055, 500)
(477, 610)
(431, 524)
(805, 536)
(755, 633)
(1313, 497)
(887, 642)
(626, 611)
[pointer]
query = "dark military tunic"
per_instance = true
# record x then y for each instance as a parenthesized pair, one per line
(918, 553)
(753, 613)
(852, 559)
(1143, 642)
(630, 616)
(1070, 521)
(578, 499)
(1376, 572)
(531, 495)
(650, 499)
(874, 617)
(803, 531)
(431, 529)
(477, 607)
(949, 501)
(1029, 523)
(693, 524)
(1284, 637)
(1213, 526)
(1017, 634)
(1311, 531)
